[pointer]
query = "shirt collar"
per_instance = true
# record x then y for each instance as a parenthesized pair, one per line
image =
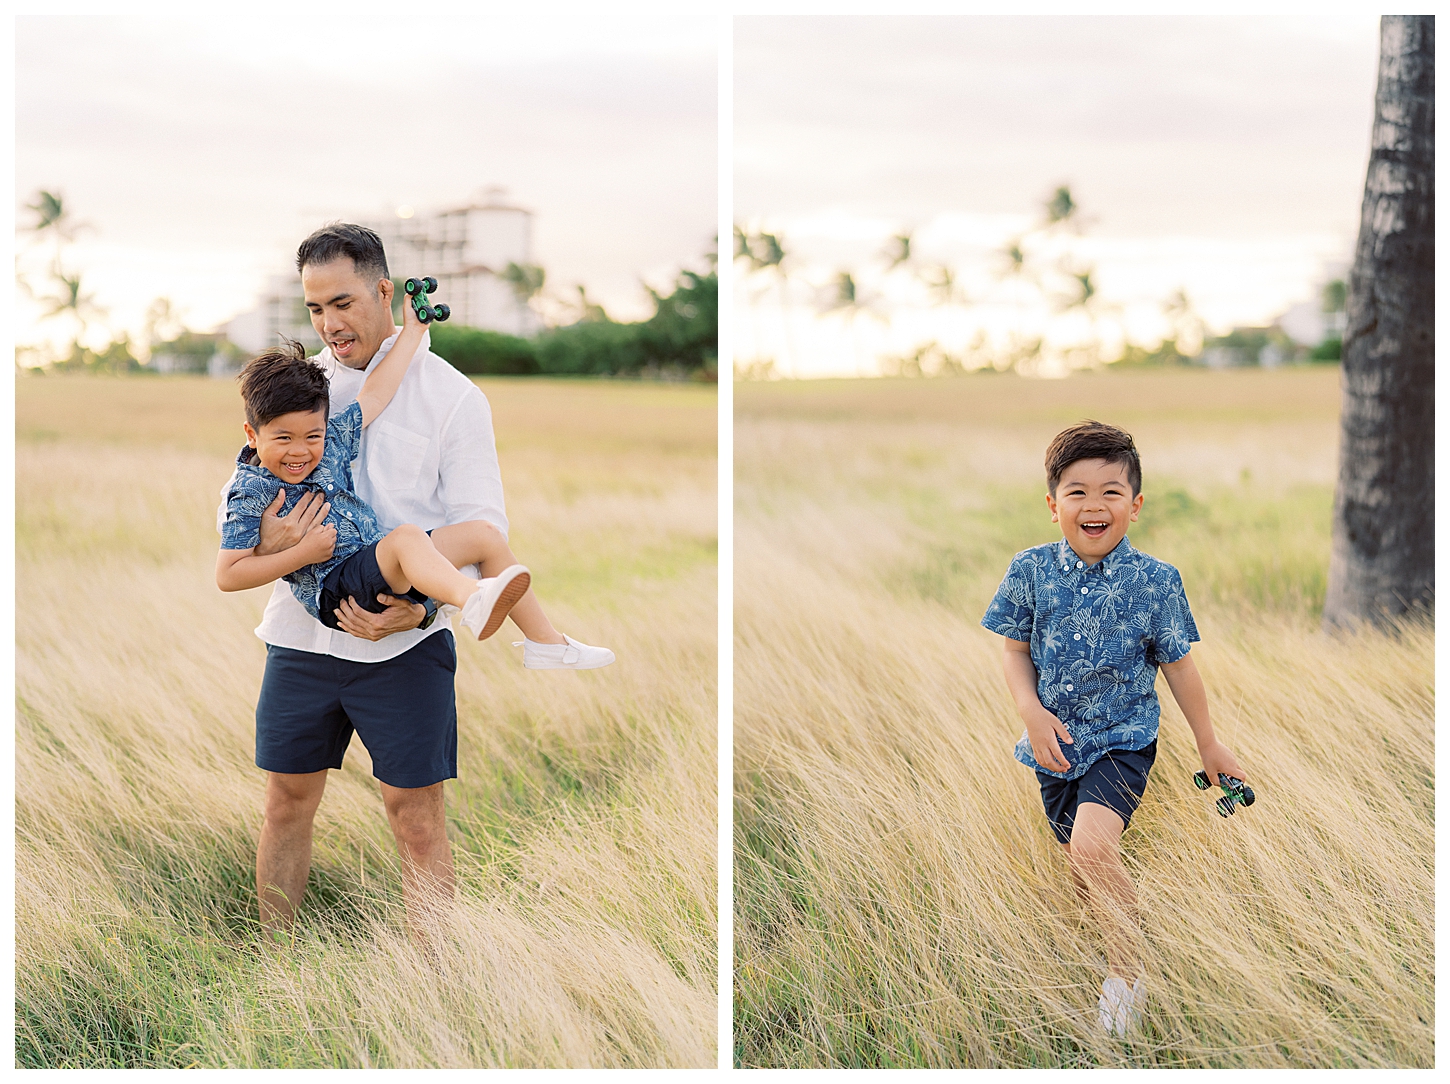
(1067, 557)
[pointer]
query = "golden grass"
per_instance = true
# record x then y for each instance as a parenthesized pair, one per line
(900, 899)
(583, 820)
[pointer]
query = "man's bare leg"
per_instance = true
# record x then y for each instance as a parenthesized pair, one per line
(417, 818)
(1096, 857)
(483, 544)
(284, 850)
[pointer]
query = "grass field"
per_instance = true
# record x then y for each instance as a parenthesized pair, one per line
(900, 900)
(583, 821)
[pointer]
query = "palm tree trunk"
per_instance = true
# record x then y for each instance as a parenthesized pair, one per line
(1382, 561)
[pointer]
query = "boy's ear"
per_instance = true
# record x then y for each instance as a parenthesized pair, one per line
(251, 435)
(1052, 506)
(1135, 506)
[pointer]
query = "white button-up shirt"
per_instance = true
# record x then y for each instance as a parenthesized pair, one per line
(428, 458)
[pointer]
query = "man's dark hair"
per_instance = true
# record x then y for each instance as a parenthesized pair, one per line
(281, 382)
(1093, 440)
(338, 239)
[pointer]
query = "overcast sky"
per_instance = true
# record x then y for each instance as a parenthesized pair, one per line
(1224, 154)
(202, 149)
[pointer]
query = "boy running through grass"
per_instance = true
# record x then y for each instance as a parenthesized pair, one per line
(1089, 621)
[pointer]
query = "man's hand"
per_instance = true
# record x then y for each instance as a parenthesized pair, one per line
(1218, 759)
(400, 616)
(317, 544)
(1043, 731)
(284, 532)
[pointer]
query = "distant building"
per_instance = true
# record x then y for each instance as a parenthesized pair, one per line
(279, 314)
(467, 249)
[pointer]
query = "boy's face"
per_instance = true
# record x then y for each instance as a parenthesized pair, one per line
(1094, 505)
(290, 445)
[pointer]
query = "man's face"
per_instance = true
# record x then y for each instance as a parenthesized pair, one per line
(290, 445)
(352, 314)
(1094, 505)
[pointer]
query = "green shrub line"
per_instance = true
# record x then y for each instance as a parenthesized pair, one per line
(678, 340)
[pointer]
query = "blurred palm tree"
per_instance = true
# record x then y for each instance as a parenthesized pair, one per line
(526, 280)
(898, 251)
(590, 312)
(766, 252)
(1187, 326)
(71, 300)
(1060, 207)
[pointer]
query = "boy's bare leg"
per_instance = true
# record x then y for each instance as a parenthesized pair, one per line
(416, 815)
(1096, 857)
(407, 558)
(482, 544)
(1078, 884)
(284, 850)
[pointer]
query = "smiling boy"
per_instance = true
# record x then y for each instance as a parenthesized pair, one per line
(1088, 622)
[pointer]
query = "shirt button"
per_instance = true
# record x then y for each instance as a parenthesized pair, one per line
(1069, 688)
(348, 515)
(1077, 636)
(1079, 564)
(329, 489)
(1107, 572)
(1084, 590)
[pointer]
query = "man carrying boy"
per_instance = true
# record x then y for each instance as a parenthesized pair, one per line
(1089, 621)
(431, 461)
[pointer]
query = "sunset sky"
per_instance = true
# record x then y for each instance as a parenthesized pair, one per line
(1224, 156)
(200, 150)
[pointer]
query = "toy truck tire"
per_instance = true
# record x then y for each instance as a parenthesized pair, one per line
(442, 312)
(423, 314)
(411, 287)
(430, 284)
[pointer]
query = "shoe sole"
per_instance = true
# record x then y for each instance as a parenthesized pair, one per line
(507, 599)
(568, 666)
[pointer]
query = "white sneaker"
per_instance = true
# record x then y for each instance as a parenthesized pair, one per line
(486, 608)
(1120, 1008)
(570, 655)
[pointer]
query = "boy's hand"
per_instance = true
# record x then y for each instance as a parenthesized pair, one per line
(316, 545)
(1218, 759)
(1043, 731)
(410, 315)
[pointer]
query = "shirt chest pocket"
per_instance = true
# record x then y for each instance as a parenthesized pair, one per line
(395, 455)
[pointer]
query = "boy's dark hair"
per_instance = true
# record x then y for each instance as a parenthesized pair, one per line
(1093, 440)
(281, 382)
(338, 239)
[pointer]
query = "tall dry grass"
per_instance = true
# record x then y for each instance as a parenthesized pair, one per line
(583, 821)
(900, 899)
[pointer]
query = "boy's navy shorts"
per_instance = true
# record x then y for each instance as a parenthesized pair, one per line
(360, 577)
(1116, 779)
(402, 708)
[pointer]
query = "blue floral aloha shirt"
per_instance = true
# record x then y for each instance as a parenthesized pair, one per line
(256, 487)
(1098, 634)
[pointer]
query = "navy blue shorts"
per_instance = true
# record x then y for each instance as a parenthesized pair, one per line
(402, 708)
(360, 578)
(1116, 779)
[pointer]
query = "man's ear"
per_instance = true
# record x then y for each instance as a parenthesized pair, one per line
(385, 289)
